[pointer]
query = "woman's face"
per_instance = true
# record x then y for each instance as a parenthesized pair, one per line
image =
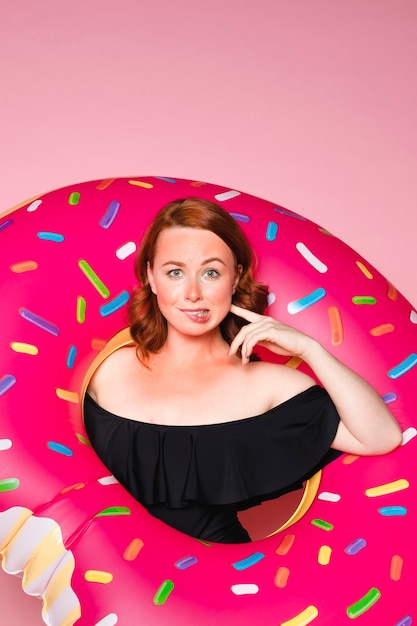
(194, 275)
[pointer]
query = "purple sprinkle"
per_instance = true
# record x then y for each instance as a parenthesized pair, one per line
(389, 397)
(405, 621)
(6, 382)
(283, 211)
(239, 217)
(110, 215)
(167, 180)
(5, 224)
(355, 547)
(186, 562)
(40, 322)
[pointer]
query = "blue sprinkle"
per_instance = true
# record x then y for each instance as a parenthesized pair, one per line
(403, 367)
(308, 300)
(249, 561)
(5, 224)
(393, 511)
(186, 562)
(47, 236)
(60, 448)
(355, 547)
(405, 621)
(110, 215)
(72, 353)
(6, 382)
(239, 217)
(167, 180)
(283, 211)
(389, 397)
(115, 304)
(39, 321)
(271, 231)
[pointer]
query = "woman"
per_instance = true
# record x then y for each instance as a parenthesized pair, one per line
(187, 418)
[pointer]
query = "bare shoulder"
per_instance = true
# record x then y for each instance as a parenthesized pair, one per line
(114, 367)
(279, 382)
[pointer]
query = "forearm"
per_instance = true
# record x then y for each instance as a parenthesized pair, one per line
(367, 425)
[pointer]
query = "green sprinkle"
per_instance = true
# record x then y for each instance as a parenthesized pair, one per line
(9, 484)
(364, 603)
(163, 592)
(81, 306)
(83, 440)
(93, 278)
(74, 198)
(114, 510)
(363, 300)
(322, 524)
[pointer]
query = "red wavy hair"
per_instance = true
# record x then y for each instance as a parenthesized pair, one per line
(148, 327)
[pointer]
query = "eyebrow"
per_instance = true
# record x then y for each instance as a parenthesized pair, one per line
(205, 262)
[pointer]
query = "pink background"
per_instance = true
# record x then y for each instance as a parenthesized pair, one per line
(311, 104)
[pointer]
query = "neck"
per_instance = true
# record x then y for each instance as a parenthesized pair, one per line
(184, 350)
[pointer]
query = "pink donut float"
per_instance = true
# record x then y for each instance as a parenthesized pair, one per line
(79, 540)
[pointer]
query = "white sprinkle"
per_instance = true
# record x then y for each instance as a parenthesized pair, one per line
(408, 434)
(227, 195)
(243, 590)
(328, 496)
(107, 480)
(5, 444)
(311, 258)
(126, 250)
(110, 620)
(413, 317)
(34, 205)
(271, 298)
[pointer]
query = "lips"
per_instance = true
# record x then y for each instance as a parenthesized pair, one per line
(196, 314)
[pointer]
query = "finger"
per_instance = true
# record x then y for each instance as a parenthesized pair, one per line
(250, 316)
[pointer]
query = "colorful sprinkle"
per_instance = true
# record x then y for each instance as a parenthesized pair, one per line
(68, 396)
(306, 301)
(324, 555)
(280, 209)
(5, 225)
(114, 511)
(133, 549)
(319, 523)
(74, 198)
(93, 278)
(110, 215)
(271, 298)
(186, 562)
(349, 459)
(363, 300)
(126, 250)
(393, 511)
(24, 348)
(108, 480)
(302, 619)
(33, 206)
(167, 180)
(403, 367)
(163, 592)
(294, 362)
(75, 487)
(47, 236)
(281, 577)
(364, 604)
(408, 434)
(364, 270)
(81, 308)
(114, 305)
(239, 217)
(285, 545)
(311, 258)
(60, 448)
(227, 195)
(249, 561)
(5, 444)
(392, 293)
(9, 484)
(6, 383)
(383, 329)
(396, 568)
(248, 589)
(356, 546)
(327, 496)
(389, 397)
(72, 353)
(139, 183)
(39, 321)
(405, 621)
(105, 183)
(336, 325)
(110, 619)
(271, 231)
(98, 576)
(393, 487)
(24, 266)
(413, 317)
(83, 440)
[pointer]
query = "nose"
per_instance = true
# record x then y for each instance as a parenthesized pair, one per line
(193, 290)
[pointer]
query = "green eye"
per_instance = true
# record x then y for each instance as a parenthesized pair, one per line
(211, 273)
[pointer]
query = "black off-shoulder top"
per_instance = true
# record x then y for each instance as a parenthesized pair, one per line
(196, 478)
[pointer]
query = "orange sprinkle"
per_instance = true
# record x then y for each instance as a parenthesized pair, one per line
(133, 549)
(98, 344)
(24, 266)
(294, 362)
(383, 329)
(69, 396)
(285, 545)
(196, 183)
(105, 183)
(392, 292)
(75, 487)
(139, 183)
(349, 458)
(396, 567)
(364, 270)
(281, 577)
(336, 326)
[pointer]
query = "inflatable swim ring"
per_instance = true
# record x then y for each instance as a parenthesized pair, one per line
(79, 540)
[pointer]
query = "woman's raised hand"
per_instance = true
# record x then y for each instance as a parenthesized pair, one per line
(265, 331)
